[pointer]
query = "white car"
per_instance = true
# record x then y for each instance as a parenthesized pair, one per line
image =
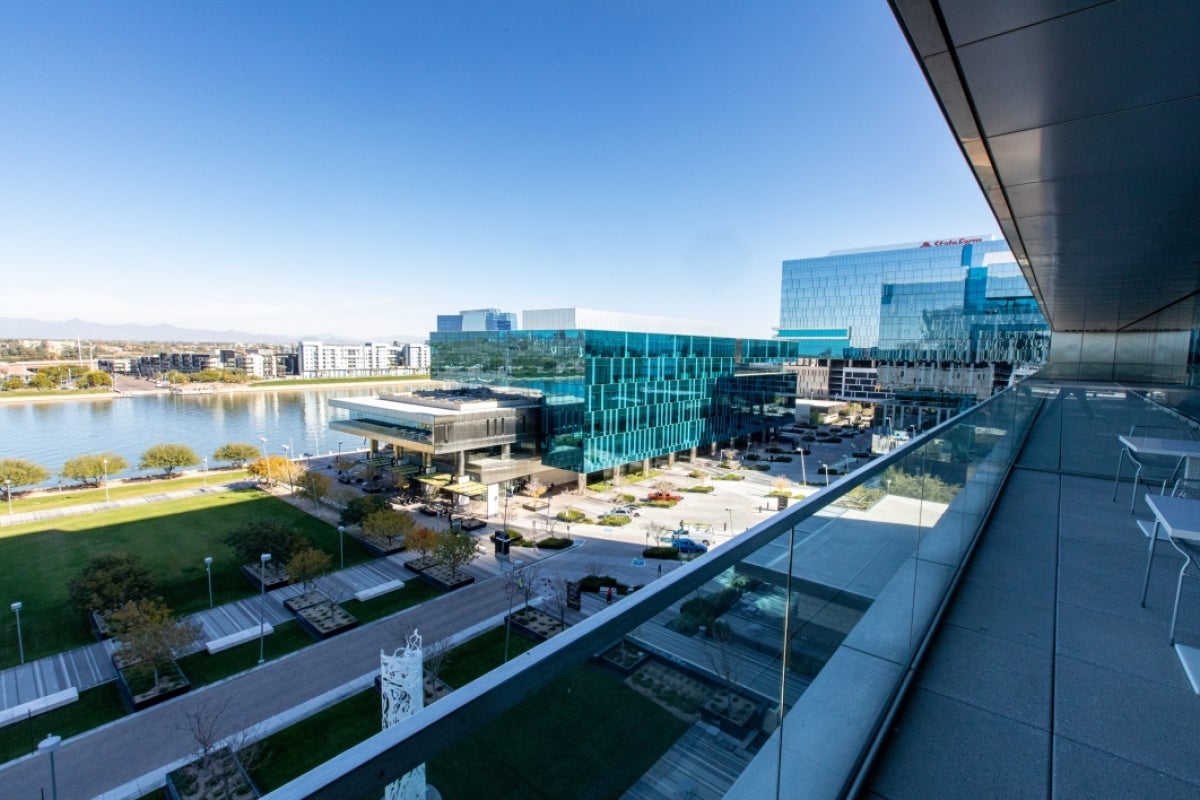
(627, 511)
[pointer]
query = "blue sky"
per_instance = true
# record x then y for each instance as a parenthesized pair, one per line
(355, 169)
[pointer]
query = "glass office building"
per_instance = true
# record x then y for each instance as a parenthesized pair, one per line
(948, 301)
(614, 397)
(478, 319)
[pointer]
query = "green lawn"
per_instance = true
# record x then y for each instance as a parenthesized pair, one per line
(94, 708)
(202, 668)
(297, 749)
(415, 592)
(38, 559)
(120, 491)
(587, 735)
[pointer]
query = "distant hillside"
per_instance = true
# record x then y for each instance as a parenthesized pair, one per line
(99, 331)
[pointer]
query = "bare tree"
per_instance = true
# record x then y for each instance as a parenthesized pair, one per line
(222, 758)
(718, 648)
(554, 590)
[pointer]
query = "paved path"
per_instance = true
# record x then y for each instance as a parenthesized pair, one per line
(91, 508)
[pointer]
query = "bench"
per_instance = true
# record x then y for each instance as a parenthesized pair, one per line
(38, 706)
(236, 638)
(380, 589)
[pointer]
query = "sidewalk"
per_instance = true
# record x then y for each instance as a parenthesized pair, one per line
(91, 508)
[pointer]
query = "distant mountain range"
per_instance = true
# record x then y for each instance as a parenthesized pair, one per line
(99, 331)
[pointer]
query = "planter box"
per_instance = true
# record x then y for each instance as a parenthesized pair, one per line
(378, 546)
(276, 576)
(319, 616)
(131, 679)
(535, 624)
(439, 576)
(738, 719)
(625, 658)
(419, 565)
(225, 778)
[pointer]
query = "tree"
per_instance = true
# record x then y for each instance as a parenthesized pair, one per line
(664, 486)
(42, 382)
(314, 485)
(307, 564)
(251, 539)
(149, 634)
(391, 524)
(274, 469)
(554, 590)
(168, 457)
(236, 452)
(93, 379)
(92, 467)
(361, 507)
(456, 550)
(217, 772)
(13, 382)
(422, 540)
(535, 488)
(110, 580)
(18, 472)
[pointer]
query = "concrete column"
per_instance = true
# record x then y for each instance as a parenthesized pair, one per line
(582, 482)
(671, 459)
(426, 461)
(712, 449)
(374, 446)
(645, 465)
(505, 450)
(692, 453)
(460, 463)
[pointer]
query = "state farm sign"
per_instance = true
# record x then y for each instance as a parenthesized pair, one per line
(946, 242)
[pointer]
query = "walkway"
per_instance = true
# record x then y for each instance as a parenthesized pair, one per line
(125, 502)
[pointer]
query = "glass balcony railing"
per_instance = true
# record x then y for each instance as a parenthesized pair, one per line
(762, 668)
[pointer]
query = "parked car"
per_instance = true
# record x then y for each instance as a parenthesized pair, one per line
(667, 497)
(627, 511)
(688, 546)
(428, 510)
(472, 524)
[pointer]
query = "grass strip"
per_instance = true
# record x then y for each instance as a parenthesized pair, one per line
(203, 668)
(95, 707)
(122, 491)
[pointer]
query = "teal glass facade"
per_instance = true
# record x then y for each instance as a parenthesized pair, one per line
(613, 397)
(960, 301)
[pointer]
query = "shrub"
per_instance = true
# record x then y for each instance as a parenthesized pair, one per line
(571, 515)
(660, 503)
(600, 486)
(751, 457)
(614, 520)
(781, 459)
(554, 543)
(732, 476)
(702, 489)
(665, 553)
(594, 583)
(761, 467)
(774, 449)
(696, 473)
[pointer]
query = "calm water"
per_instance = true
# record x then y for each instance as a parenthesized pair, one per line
(50, 433)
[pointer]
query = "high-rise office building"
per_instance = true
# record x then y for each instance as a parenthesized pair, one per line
(478, 319)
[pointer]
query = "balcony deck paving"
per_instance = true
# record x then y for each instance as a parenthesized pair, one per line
(1047, 678)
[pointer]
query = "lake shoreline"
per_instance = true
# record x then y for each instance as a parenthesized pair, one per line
(51, 397)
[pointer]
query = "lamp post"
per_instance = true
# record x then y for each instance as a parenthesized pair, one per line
(206, 472)
(730, 512)
(825, 467)
(208, 569)
(262, 604)
(342, 545)
(287, 456)
(266, 458)
(16, 607)
(8, 494)
(512, 588)
(104, 464)
(49, 745)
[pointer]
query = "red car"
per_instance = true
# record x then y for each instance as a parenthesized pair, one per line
(665, 497)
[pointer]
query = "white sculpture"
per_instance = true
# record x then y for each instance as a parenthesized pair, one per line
(402, 693)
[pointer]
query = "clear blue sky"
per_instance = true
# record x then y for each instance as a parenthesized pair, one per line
(357, 168)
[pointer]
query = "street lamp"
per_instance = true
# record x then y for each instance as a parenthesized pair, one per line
(8, 493)
(104, 463)
(730, 512)
(825, 467)
(208, 569)
(512, 588)
(342, 545)
(262, 604)
(287, 455)
(16, 607)
(49, 745)
(266, 458)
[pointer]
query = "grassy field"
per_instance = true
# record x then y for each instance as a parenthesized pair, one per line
(94, 708)
(121, 491)
(37, 560)
(586, 735)
(297, 749)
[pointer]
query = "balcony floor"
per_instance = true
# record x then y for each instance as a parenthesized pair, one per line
(1047, 678)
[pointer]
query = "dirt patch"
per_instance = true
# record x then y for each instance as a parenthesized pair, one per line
(674, 690)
